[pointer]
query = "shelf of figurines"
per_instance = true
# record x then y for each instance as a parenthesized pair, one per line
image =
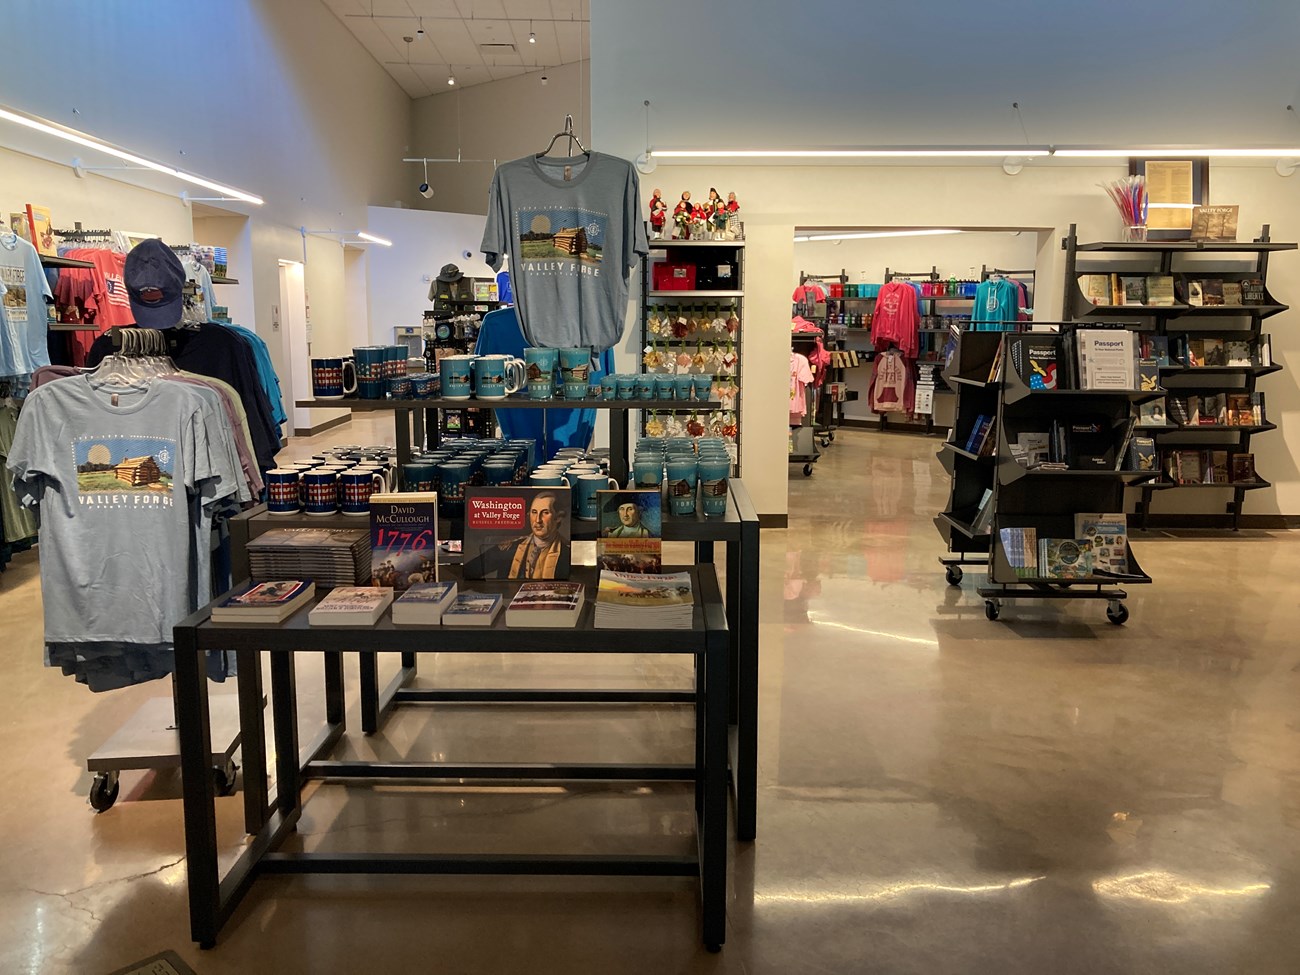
(710, 220)
(663, 243)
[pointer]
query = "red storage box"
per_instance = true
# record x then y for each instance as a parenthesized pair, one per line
(674, 277)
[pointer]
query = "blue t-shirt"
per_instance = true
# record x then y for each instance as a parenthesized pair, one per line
(265, 373)
(23, 324)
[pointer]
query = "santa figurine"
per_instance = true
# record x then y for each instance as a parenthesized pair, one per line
(658, 215)
(733, 209)
(682, 217)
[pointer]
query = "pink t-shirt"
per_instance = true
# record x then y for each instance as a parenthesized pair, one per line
(800, 376)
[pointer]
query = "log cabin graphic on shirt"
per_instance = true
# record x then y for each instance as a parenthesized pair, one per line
(124, 472)
(561, 240)
(13, 286)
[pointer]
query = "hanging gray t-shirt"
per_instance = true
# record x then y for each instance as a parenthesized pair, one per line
(572, 244)
(114, 482)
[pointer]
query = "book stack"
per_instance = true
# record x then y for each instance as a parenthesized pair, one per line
(638, 601)
(1020, 545)
(423, 604)
(330, 556)
(264, 602)
(1209, 467)
(473, 609)
(351, 606)
(1107, 358)
(551, 604)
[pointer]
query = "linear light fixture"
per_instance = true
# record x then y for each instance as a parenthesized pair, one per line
(90, 142)
(872, 234)
(374, 239)
(345, 237)
(1180, 152)
(888, 152)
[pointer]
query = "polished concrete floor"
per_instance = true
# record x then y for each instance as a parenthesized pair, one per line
(938, 793)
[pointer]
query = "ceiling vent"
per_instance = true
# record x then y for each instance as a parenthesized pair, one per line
(498, 48)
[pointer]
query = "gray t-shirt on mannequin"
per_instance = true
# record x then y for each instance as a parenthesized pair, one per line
(573, 230)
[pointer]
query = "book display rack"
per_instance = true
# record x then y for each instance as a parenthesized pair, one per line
(1023, 511)
(1190, 296)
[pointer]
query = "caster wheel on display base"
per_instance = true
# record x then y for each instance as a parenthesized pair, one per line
(103, 791)
(807, 470)
(1117, 613)
(992, 608)
(713, 949)
(953, 574)
(223, 778)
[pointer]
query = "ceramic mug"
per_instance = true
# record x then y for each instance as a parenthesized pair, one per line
(425, 385)
(682, 474)
(498, 376)
(333, 378)
(320, 489)
(395, 357)
(419, 476)
(355, 487)
(540, 365)
(497, 473)
(585, 487)
(575, 370)
(399, 387)
(457, 375)
(455, 476)
(282, 493)
(547, 478)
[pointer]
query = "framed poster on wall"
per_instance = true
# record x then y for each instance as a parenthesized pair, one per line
(1174, 188)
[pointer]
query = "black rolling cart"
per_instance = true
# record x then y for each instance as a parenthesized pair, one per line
(214, 897)
(1047, 500)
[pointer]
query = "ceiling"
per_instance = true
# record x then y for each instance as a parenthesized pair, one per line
(476, 41)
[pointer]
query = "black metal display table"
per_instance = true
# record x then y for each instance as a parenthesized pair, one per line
(739, 530)
(213, 897)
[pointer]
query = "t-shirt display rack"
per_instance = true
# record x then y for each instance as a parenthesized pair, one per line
(803, 439)
(1046, 500)
(1107, 257)
(733, 298)
(830, 412)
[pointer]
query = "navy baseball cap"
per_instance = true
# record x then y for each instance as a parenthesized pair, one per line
(155, 282)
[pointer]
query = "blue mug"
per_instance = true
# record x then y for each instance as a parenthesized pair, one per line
(457, 375)
(320, 491)
(543, 477)
(355, 487)
(282, 493)
(540, 366)
(713, 472)
(425, 385)
(371, 363)
(575, 370)
(395, 357)
(498, 376)
(648, 471)
(399, 387)
(585, 486)
(455, 476)
(419, 476)
(497, 473)
(333, 378)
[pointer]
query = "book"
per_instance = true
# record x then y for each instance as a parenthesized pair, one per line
(1215, 353)
(1142, 455)
(1034, 444)
(1160, 289)
(403, 539)
(1181, 410)
(351, 606)
(1134, 287)
(1152, 413)
(1217, 469)
(983, 513)
(1257, 409)
(1095, 288)
(631, 533)
(42, 237)
(1195, 295)
(423, 603)
(517, 533)
(1108, 535)
(1107, 358)
(1148, 375)
(1158, 349)
(1087, 444)
(1242, 468)
(473, 609)
(1188, 467)
(1122, 453)
(1240, 410)
(1020, 546)
(1236, 353)
(19, 225)
(1212, 410)
(264, 602)
(1065, 558)
(1252, 291)
(1212, 292)
(1038, 365)
(556, 604)
(977, 433)
(1232, 292)
(1214, 222)
(1116, 289)
(634, 600)
(1264, 351)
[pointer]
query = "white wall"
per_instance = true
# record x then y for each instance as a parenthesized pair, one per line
(272, 96)
(399, 276)
(501, 120)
